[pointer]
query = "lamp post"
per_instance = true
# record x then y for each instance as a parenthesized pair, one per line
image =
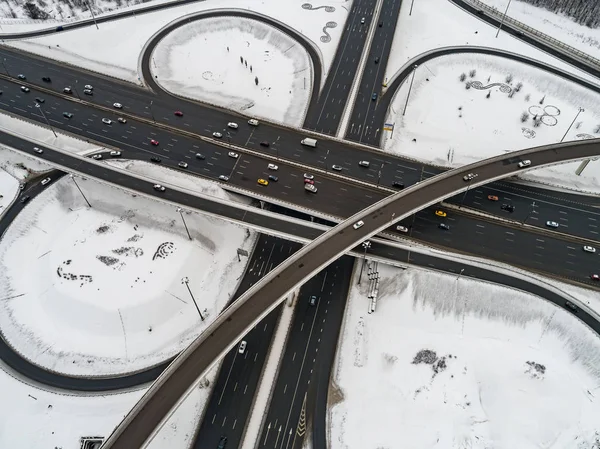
(409, 88)
(4, 65)
(531, 211)
(180, 210)
(92, 12)
(151, 111)
(185, 281)
(579, 111)
(366, 245)
(460, 274)
(80, 191)
(39, 106)
(503, 17)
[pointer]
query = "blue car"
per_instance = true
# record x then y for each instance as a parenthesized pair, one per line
(374, 96)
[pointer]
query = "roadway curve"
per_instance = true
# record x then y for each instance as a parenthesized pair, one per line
(237, 319)
(311, 49)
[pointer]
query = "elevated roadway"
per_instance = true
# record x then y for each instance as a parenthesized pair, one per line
(236, 320)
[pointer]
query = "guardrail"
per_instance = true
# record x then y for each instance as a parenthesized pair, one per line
(561, 46)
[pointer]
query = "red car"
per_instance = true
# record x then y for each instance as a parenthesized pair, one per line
(309, 181)
(595, 277)
(178, 113)
(154, 142)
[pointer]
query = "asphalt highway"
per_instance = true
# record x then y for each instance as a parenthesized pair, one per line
(232, 395)
(325, 114)
(495, 238)
(363, 119)
(308, 358)
(309, 260)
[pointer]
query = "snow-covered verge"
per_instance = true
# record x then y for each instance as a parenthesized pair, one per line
(237, 64)
(106, 288)
(439, 23)
(178, 179)
(9, 186)
(450, 362)
(452, 125)
(557, 26)
(42, 135)
(81, 47)
(60, 420)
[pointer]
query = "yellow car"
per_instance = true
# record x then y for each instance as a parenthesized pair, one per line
(440, 213)
(263, 182)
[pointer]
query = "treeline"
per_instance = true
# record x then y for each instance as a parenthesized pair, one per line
(584, 12)
(60, 9)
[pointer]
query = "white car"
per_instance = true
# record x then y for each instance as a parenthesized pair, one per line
(401, 228)
(88, 87)
(253, 122)
(589, 249)
(364, 164)
(118, 105)
(232, 125)
(524, 164)
(183, 164)
(242, 347)
(336, 167)
(38, 150)
(25, 89)
(224, 178)
(115, 153)
(308, 176)
(159, 188)
(273, 167)
(233, 155)
(106, 121)
(217, 135)
(358, 224)
(121, 120)
(97, 157)
(552, 224)
(310, 187)
(46, 181)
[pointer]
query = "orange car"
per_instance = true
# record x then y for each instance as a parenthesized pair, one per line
(492, 197)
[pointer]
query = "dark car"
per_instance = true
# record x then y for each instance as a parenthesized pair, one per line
(444, 226)
(380, 24)
(67, 115)
(46, 79)
(374, 96)
(312, 300)
(39, 100)
(264, 144)
(508, 207)
(377, 60)
(68, 90)
(273, 178)
(25, 199)
(200, 156)
(222, 443)
(59, 28)
(398, 185)
(572, 307)
(156, 159)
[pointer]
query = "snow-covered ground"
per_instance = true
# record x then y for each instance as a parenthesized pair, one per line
(42, 135)
(439, 23)
(178, 179)
(95, 49)
(450, 125)
(454, 363)
(202, 60)
(59, 420)
(9, 186)
(105, 290)
(557, 26)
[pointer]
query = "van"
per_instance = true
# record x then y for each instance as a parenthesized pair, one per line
(309, 142)
(253, 122)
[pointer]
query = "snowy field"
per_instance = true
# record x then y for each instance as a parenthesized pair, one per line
(452, 363)
(105, 288)
(439, 23)
(43, 11)
(554, 25)
(80, 47)
(450, 125)
(177, 179)
(60, 420)
(202, 60)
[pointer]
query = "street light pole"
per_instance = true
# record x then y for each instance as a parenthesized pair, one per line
(180, 210)
(464, 197)
(4, 65)
(579, 111)
(460, 274)
(185, 281)
(530, 212)
(503, 17)
(409, 89)
(151, 111)
(93, 16)
(39, 106)
(80, 191)
(366, 245)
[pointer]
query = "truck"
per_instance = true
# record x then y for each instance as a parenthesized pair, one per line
(309, 142)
